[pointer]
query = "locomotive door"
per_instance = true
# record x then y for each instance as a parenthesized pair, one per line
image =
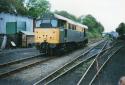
(65, 35)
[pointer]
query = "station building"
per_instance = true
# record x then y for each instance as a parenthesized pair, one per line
(17, 28)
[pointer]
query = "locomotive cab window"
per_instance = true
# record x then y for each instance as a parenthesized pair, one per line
(61, 24)
(54, 23)
(49, 23)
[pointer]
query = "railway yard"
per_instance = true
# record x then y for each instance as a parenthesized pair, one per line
(62, 42)
(98, 63)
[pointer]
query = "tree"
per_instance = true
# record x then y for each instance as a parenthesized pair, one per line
(67, 15)
(121, 29)
(95, 28)
(34, 8)
(20, 8)
(6, 6)
(92, 23)
(13, 6)
(37, 7)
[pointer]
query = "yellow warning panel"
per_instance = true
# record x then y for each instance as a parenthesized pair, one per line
(50, 35)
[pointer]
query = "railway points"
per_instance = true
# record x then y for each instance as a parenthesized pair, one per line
(96, 66)
(112, 70)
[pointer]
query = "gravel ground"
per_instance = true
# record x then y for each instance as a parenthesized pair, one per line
(33, 74)
(113, 70)
(16, 54)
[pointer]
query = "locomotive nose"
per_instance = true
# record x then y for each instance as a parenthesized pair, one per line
(45, 37)
(44, 40)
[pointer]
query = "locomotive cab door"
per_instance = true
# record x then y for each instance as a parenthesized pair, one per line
(65, 35)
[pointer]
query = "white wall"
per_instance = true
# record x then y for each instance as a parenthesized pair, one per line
(6, 17)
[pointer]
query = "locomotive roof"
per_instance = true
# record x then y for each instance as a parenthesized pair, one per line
(69, 21)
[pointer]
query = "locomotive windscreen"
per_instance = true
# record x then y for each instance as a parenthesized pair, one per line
(48, 23)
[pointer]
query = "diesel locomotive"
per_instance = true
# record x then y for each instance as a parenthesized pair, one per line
(54, 32)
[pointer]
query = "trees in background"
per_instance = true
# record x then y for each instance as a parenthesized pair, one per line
(67, 15)
(5, 6)
(95, 28)
(92, 23)
(34, 8)
(121, 29)
(13, 6)
(37, 7)
(20, 8)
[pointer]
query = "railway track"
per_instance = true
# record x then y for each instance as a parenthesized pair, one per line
(98, 63)
(15, 66)
(19, 60)
(113, 66)
(12, 67)
(84, 58)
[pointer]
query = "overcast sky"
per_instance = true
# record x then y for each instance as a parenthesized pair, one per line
(109, 12)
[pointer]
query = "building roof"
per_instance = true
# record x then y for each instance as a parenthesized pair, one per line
(15, 14)
(27, 33)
